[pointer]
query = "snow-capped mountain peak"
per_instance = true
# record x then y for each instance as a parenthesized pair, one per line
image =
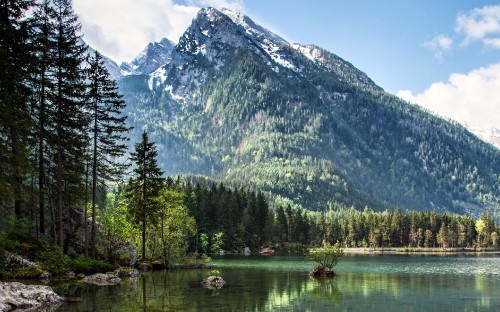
(155, 55)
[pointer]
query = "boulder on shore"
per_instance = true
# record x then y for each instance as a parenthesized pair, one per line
(22, 268)
(102, 279)
(19, 297)
(247, 251)
(266, 251)
(213, 282)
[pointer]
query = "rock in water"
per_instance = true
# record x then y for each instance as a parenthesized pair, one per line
(102, 279)
(17, 296)
(213, 282)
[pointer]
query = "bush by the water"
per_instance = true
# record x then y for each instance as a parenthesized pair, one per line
(326, 258)
(57, 263)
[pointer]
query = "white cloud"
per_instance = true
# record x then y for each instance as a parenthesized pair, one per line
(472, 98)
(234, 5)
(120, 29)
(440, 44)
(480, 24)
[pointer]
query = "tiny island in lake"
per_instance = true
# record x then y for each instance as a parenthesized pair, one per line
(231, 170)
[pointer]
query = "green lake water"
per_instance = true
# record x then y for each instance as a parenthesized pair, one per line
(281, 283)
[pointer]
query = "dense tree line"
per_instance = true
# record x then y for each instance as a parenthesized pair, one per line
(232, 219)
(395, 228)
(61, 126)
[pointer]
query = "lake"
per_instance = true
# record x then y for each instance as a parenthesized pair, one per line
(281, 283)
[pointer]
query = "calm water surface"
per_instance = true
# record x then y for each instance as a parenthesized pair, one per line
(281, 283)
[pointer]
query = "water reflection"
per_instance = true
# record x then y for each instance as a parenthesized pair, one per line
(269, 287)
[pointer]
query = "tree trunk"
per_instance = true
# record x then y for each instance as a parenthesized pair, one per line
(94, 187)
(41, 160)
(85, 228)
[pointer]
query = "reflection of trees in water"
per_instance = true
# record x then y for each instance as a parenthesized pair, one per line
(323, 290)
(268, 290)
(294, 290)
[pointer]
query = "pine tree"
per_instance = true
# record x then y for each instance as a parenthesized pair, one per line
(42, 40)
(69, 115)
(108, 131)
(144, 188)
(15, 118)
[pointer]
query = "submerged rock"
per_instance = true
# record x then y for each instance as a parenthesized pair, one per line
(126, 273)
(19, 297)
(102, 279)
(213, 282)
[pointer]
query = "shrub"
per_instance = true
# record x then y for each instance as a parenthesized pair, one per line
(53, 260)
(327, 257)
(89, 266)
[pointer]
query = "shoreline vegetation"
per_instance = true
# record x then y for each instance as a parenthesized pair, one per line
(416, 250)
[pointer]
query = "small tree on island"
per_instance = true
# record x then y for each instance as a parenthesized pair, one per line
(326, 257)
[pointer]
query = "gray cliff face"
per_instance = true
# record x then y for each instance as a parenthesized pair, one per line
(156, 54)
(218, 37)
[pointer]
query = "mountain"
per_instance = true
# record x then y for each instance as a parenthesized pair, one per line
(151, 58)
(238, 103)
(112, 67)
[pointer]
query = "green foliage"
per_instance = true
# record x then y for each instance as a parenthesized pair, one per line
(22, 273)
(214, 273)
(327, 256)
(204, 243)
(54, 260)
(117, 231)
(83, 265)
(174, 226)
(195, 261)
(143, 190)
(217, 241)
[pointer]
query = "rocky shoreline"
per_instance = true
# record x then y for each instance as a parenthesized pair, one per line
(19, 297)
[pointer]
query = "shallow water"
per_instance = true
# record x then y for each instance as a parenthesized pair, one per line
(281, 283)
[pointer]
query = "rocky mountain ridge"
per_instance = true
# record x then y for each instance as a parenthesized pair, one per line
(238, 103)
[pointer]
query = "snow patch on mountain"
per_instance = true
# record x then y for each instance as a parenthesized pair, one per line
(170, 89)
(157, 78)
(491, 135)
(155, 55)
(308, 51)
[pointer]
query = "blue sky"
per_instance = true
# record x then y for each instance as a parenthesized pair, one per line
(386, 39)
(443, 55)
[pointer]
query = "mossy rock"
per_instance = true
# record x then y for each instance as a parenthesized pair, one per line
(213, 282)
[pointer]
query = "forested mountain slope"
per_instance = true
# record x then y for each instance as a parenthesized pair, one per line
(240, 104)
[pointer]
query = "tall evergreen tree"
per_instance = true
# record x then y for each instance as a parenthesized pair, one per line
(145, 186)
(108, 131)
(69, 115)
(43, 27)
(15, 118)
